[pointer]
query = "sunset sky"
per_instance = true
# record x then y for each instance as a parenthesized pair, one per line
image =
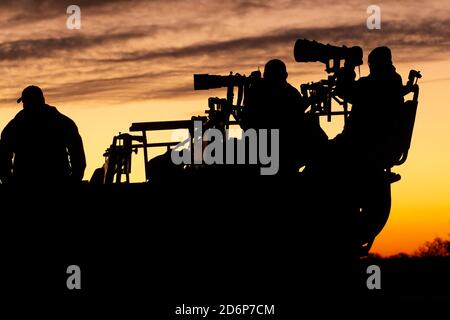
(133, 61)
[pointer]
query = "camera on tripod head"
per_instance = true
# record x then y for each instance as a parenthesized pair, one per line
(220, 110)
(321, 94)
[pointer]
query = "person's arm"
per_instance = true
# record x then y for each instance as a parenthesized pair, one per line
(250, 112)
(76, 153)
(400, 88)
(301, 102)
(346, 84)
(6, 154)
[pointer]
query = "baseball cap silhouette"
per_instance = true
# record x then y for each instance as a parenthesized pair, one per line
(32, 94)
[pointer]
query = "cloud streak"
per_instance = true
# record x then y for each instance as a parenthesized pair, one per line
(140, 49)
(47, 47)
(434, 35)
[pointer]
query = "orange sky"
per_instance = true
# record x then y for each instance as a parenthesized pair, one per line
(134, 60)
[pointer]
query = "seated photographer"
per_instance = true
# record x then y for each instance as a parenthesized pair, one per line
(352, 165)
(275, 104)
(370, 130)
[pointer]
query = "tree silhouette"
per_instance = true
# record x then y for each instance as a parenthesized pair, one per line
(436, 248)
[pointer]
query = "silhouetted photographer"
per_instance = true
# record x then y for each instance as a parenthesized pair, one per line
(370, 141)
(273, 103)
(40, 145)
(372, 128)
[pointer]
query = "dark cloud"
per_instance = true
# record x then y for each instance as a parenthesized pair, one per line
(430, 35)
(26, 11)
(117, 88)
(47, 47)
(249, 5)
(48, 4)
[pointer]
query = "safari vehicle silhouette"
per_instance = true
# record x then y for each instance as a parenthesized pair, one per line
(360, 216)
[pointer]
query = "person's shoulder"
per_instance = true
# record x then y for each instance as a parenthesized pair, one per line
(296, 98)
(291, 87)
(13, 124)
(293, 90)
(17, 118)
(60, 116)
(365, 83)
(397, 77)
(56, 113)
(364, 79)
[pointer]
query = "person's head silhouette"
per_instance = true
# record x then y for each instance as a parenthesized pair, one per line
(32, 97)
(275, 71)
(380, 59)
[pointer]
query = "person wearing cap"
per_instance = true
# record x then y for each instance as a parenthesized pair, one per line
(40, 145)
